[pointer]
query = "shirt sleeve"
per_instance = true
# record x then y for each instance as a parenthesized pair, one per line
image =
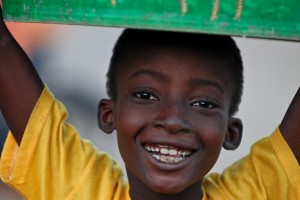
(53, 162)
(270, 171)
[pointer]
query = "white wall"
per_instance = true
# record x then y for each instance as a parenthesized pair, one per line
(272, 76)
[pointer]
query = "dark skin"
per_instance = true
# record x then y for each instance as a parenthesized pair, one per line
(176, 98)
(20, 87)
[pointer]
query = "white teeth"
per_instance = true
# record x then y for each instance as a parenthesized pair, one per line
(173, 152)
(164, 151)
(168, 159)
(167, 151)
(184, 153)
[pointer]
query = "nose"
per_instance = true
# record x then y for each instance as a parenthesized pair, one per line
(174, 119)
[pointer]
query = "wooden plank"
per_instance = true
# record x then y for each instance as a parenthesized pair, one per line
(277, 19)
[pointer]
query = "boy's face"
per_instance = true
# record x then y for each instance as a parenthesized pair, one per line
(171, 116)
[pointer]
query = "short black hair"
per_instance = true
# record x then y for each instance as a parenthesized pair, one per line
(217, 46)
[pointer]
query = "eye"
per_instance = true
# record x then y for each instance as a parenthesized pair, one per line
(205, 104)
(145, 96)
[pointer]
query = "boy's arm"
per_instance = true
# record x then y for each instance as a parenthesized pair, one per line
(20, 85)
(290, 126)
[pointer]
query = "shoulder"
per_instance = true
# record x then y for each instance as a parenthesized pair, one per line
(269, 170)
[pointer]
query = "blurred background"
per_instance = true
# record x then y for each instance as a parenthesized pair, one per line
(73, 60)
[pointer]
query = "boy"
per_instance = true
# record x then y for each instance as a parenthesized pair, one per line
(173, 100)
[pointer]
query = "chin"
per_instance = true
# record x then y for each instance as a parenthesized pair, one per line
(167, 186)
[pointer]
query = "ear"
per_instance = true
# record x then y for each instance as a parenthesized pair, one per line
(234, 134)
(105, 115)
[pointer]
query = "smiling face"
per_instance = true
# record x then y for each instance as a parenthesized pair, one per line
(171, 115)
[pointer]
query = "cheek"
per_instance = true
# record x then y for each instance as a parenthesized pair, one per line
(129, 124)
(211, 135)
(130, 120)
(214, 128)
(214, 134)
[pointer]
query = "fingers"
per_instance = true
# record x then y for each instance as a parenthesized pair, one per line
(1, 16)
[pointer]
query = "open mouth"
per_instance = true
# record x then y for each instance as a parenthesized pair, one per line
(167, 154)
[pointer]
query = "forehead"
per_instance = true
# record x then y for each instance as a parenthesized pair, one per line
(176, 61)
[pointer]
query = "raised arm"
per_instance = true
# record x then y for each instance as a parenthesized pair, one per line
(20, 85)
(290, 126)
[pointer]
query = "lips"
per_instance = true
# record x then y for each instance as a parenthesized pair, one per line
(166, 153)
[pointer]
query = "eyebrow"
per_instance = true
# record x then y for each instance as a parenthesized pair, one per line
(146, 72)
(201, 82)
(163, 77)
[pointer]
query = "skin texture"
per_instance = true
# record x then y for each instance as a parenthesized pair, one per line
(20, 85)
(172, 97)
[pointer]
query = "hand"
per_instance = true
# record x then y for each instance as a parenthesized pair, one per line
(1, 16)
(3, 28)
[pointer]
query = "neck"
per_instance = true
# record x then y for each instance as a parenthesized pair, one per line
(139, 191)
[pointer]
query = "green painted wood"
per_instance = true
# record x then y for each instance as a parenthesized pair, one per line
(278, 19)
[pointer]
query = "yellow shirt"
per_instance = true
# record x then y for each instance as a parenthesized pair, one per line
(270, 171)
(53, 162)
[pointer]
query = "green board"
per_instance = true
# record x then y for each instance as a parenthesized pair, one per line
(278, 19)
